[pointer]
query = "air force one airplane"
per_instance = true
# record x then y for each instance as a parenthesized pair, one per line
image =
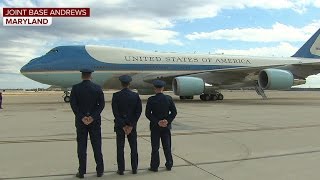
(186, 74)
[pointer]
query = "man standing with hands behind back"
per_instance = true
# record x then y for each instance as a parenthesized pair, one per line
(126, 108)
(160, 111)
(87, 103)
(0, 100)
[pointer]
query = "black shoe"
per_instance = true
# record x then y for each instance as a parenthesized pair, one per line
(79, 175)
(134, 171)
(154, 170)
(120, 172)
(100, 174)
(168, 168)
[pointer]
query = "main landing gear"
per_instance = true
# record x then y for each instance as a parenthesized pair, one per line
(206, 97)
(211, 97)
(186, 97)
(66, 96)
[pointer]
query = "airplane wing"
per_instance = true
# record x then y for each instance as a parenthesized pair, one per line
(217, 76)
(248, 75)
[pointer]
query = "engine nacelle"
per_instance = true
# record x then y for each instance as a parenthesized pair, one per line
(188, 86)
(275, 79)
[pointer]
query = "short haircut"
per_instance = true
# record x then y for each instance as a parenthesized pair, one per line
(160, 88)
(85, 75)
(123, 84)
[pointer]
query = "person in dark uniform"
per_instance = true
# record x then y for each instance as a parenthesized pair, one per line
(160, 111)
(1, 100)
(126, 108)
(87, 103)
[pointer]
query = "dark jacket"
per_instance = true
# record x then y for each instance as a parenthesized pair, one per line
(160, 107)
(87, 99)
(126, 108)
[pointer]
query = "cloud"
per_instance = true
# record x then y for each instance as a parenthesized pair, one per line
(312, 81)
(301, 6)
(109, 20)
(191, 10)
(279, 32)
(284, 49)
(15, 52)
(18, 3)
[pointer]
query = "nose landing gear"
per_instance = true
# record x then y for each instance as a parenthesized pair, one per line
(66, 96)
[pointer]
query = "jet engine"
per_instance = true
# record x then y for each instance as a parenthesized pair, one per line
(275, 79)
(188, 86)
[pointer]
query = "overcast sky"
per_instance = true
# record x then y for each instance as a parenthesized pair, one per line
(246, 27)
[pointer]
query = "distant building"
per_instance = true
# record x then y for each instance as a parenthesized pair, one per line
(54, 88)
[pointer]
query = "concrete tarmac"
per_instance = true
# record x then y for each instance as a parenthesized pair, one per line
(240, 138)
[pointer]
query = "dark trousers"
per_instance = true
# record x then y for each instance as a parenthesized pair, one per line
(165, 135)
(95, 138)
(0, 103)
(132, 139)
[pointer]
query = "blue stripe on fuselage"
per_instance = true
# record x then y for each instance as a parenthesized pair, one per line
(74, 58)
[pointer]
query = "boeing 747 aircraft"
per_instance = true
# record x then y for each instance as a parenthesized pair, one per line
(186, 74)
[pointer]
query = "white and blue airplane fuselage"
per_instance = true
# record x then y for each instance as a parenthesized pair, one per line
(186, 74)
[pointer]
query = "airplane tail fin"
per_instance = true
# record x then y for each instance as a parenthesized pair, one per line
(311, 49)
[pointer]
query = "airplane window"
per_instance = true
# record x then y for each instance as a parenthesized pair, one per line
(52, 51)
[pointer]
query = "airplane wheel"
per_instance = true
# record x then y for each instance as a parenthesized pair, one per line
(220, 96)
(189, 97)
(66, 99)
(207, 97)
(202, 97)
(186, 97)
(213, 97)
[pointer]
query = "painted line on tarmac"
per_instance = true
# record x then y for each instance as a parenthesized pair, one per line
(187, 165)
(173, 134)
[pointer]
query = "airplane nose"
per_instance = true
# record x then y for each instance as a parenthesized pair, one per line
(27, 67)
(23, 69)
